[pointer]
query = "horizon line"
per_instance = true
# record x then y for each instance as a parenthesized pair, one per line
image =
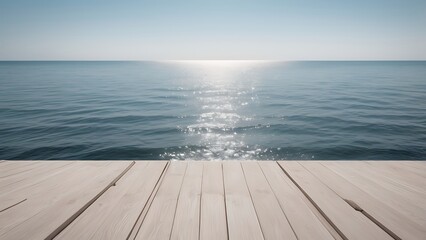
(212, 60)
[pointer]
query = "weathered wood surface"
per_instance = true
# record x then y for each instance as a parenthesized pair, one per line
(213, 224)
(186, 224)
(114, 214)
(212, 200)
(241, 216)
(294, 204)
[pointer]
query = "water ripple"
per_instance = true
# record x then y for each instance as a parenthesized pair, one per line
(196, 110)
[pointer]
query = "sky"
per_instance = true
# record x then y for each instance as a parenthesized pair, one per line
(212, 30)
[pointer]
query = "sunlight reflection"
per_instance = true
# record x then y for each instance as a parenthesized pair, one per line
(221, 93)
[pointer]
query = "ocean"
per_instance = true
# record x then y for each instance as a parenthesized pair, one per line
(212, 110)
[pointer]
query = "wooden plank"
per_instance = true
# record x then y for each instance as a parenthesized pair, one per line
(113, 215)
(186, 224)
(414, 167)
(38, 190)
(44, 194)
(303, 221)
(213, 212)
(370, 182)
(350, 223)
(141, 217)
(12, 164)
(10, 204)
(46, 214)
(35, 185)
(11, 168)
(159, 219)
(420, 165)
(44, 197)
(399, 173)
(392, 183)
(16, 188)
(22, 179)
(399, 225)
(240, 212)
(272, 219)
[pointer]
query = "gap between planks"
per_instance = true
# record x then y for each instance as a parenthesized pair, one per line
(87, 205)
(139, 221)
(321, 215)
(304, 178)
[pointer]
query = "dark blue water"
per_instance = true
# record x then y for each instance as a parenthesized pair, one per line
(213, 110)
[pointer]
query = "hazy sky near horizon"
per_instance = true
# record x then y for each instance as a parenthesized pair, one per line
(220, 29)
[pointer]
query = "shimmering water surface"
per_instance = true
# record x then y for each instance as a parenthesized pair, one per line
(213, 110)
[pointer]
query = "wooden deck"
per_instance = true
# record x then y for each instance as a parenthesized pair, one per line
(212, 200)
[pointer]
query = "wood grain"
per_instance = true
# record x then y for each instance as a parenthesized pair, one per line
(113, 215)
(240, 212)
(213, 223)
(159, 219)
(303, 221)
(186, 224)
(43, 215)
(350, 223)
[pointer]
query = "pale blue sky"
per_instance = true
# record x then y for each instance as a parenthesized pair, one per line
(231, 29)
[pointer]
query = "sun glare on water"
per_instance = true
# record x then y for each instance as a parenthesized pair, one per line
(221, 92)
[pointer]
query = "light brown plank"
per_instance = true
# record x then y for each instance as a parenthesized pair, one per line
(416, 168)
(397, 223)
(23, 179)
(399, 173)
(46, 213)
(303, 221)
(18, 173)
(11, 168)
(10, 204)
(350, 223)
(392, 183)
(113, 215)
(141, 217)
(159, 218)
(419, 165)
(240, 212)
(213, 214)
(272, 219)
(186, 224)
(34, 184)
(397, 198)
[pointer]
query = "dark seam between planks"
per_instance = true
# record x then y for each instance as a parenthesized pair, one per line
(251, 198)
(13, 205)
(314, 204)
(201, 200)
(273, 192)
(145, 209)
(358, 208)
(224, 200)
(88, 204)
(322, 220)
(177, 200)
(380, 225)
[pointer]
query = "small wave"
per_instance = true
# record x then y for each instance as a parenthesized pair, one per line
(194, 152)
(159, 110)
(120, 119)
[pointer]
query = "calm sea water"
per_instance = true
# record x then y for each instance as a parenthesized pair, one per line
(213, 110)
